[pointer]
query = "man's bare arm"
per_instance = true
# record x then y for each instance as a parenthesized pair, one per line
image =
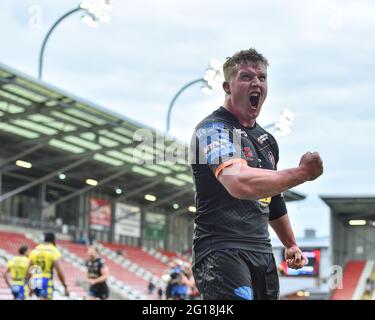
(293, 255)
(284, 231)
(61, 276)
(247, 183)
(5, 276)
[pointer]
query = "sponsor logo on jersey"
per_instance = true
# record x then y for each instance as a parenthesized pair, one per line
(222, 148)
(265, 202)
(240, 132)
(262, 138)
(248, 153)
(210, 128)
(223, 145)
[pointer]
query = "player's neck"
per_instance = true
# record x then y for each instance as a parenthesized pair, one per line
(247, 123)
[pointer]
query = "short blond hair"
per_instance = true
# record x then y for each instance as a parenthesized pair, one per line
(243, 56)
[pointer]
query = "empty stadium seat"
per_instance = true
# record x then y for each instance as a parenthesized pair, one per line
(352, 273)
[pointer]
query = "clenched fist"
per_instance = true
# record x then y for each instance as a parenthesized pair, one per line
(294, 258)
(311, 165)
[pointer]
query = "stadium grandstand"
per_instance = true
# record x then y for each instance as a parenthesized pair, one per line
(75, 168)
(353, 245)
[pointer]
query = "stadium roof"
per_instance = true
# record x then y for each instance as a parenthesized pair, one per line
(351, 206)
(58, 133)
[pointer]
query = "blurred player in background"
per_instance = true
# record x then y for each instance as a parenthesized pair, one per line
(44, 258)
(180, 284)
(97, 275)
(18, 267)
(192, 290)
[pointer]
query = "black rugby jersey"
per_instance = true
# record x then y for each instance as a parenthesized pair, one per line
(94, 267)
(223, 221)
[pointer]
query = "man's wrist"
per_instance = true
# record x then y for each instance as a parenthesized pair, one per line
(302, 175)
(291, 245)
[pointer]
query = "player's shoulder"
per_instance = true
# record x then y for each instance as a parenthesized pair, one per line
(265, 134)
(34, 251)
(41, 247)
(217, 120)
(25, 259)
(54, 249)
(49, 249)
(21, 259)
(10, 263)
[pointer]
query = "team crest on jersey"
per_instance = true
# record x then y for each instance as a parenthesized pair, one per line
(265, 202)
(248, 153)
(262, 138)
(271, 158)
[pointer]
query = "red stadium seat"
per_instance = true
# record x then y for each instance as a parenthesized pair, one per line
(352, 273)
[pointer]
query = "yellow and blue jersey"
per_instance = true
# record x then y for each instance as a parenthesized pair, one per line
(43, 258)
(18, 267)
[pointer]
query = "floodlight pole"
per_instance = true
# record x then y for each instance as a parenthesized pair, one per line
(41, 53)
(175, 98)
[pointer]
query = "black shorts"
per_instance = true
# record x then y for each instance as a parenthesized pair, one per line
(232, 274)
(99, 290)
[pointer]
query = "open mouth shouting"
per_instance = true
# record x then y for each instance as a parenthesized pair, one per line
(254, 99)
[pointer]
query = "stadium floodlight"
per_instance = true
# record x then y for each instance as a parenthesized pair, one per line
(118, 191)
(23, 164)
(192, 209)
(357, 222)
(213, 77)
(150, 197)
(62, 176)
(90, 21)
(176, 206)
(91, 182)
(94, 11)
(283, 125)
(211, 81)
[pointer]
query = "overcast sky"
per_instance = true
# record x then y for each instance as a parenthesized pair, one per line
(322, 62)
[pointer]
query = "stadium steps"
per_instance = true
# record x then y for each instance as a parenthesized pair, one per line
(171, 255)
(137, 277)
(140, 258)
(371, 296)
(122, 281)
(159, 255)
(5, 293)
(352, 273)
(4, 290)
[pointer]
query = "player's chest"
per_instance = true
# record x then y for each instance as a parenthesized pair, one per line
(93, 266)
(258, 150)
